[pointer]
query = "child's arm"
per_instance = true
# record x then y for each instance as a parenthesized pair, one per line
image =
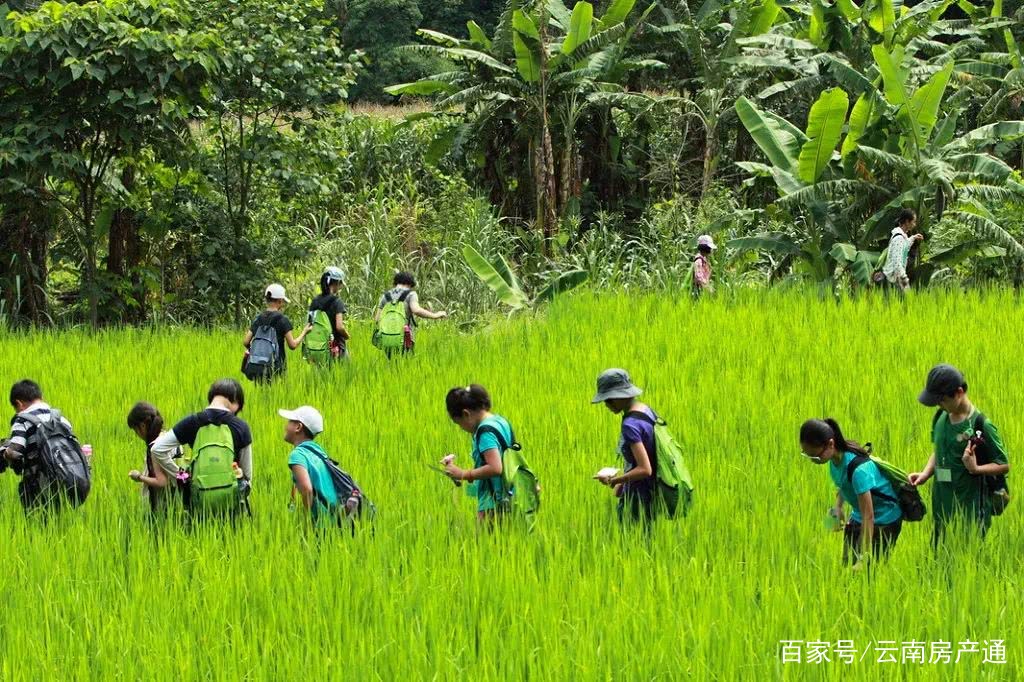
(921, 477)
(247, 341)
(303, 484)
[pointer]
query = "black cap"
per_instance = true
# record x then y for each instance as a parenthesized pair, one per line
(943, 381)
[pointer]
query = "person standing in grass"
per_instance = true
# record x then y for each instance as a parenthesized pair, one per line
(328, 339)
(396, 316)
(157, 483)
(267, 337)
(23, 454)
(902, 239)
(637, 486)
(226, 399)
(876, 520)
(969, 461)
(308, 464)
(470, 409)
(701, 268)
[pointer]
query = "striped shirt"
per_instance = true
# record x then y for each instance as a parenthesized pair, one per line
(23, 437)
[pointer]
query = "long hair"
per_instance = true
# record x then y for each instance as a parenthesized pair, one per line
(473, 397)
(818, 432)
(146, 414)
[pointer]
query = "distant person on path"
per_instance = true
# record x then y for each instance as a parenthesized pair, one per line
(219, 475)
(470, 409)
(702, 266)
(969, 461)
(396, 316)
(902, 239)
(328, 339)
(311, 475)
(37, 446)
(876, 520)
(158, 484)
(637, 486)
(267, 337)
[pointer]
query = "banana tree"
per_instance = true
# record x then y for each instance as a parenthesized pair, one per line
(501, 279)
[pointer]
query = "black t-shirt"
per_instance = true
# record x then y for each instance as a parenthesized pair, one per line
(332, 306)
(185, 430)
(281, 324)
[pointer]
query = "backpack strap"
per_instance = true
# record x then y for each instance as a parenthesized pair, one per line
(644, 417)
(496, 486)
(855, 464)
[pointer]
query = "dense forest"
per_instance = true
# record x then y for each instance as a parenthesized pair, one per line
(162, 160)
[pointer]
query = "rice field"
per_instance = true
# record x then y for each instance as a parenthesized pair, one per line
(730, 593)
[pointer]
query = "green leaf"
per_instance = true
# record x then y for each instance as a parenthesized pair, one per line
(894, 79)
(561, 284)
(765, 18)
(924, 105)
(527, 59)
(422, 87)
(824, 129)
(489, 275)
(773, 242)
(860, 119)
(990, 134)
(616, 14)
(883, 20)
(850, 11)
(580, 25)
(477, 35)
(779, 145)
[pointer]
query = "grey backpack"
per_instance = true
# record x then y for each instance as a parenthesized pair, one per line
(263, 351)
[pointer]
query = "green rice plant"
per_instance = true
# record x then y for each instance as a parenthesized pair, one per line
(103, 593)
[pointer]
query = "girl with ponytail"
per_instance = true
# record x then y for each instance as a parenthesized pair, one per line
(147, 423)
(876, 519)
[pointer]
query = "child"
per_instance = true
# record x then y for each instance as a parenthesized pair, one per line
(310, 473)
(265, 341)
(404, 300)
(702, 265)
(329, 341)
(637, 486)
(876, 520)
(969, 471)
(157, 483)
(900, 243)
(470, 409)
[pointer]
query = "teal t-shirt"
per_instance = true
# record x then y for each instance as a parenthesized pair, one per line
(309, 457)
(486, 487)
(867, 477)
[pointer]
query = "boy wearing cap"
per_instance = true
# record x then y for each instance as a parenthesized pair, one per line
(959, 464)
(702, 265)
(308, 463)
(270, 325)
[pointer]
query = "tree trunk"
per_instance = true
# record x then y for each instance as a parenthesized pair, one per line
(710, 159)
(25, 230)
(124, 256)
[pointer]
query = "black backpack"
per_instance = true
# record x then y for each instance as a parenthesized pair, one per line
(908, 497)
(62, 462)
(994, 488)
(346, 487)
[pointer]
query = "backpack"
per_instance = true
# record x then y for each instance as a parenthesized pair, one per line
(62, 462)
(213, 488)
(345, 487)
(674, 481)
(518, 490)
(393, 320)
(263, 352)
(316, 347)
(908, 497)
(994, 488)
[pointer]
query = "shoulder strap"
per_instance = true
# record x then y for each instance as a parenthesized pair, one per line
(855, 464)
(487, 428)
(404, 295)
(936, 417)
(644, 417)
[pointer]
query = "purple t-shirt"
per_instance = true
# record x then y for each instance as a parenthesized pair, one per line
(637, 430)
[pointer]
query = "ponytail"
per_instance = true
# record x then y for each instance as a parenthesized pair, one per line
(472, 398)
(145, 414)
(325, 284)
(818, 432)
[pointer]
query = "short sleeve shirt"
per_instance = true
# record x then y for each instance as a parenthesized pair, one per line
(963, 491)
(635, 430)
(411, 299)
(185, 430)
(310, 456)
(23, 434)
(281, 324)
(482, 442)
(866, 477)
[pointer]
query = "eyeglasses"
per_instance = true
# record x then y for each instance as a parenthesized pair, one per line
(818, 456)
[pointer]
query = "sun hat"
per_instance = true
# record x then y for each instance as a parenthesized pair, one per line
(706, 240)
(275, 292)
(615, 383)
(307, 416)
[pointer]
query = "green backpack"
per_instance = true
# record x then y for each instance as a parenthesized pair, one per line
(675, 485)
(213, 487)
(519, 488)
(316, 347)
(390, 334)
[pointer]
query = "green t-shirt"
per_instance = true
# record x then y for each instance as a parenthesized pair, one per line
(486, 487)
(954, 490)
(309, 456)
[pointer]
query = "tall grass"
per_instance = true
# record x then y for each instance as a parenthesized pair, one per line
(101, 594)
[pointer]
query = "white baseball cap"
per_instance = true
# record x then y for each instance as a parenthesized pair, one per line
(307, 416)
(276, 292)
(706, 240)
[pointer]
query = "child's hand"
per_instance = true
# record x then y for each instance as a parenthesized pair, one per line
(969, 459)
(135, 475)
